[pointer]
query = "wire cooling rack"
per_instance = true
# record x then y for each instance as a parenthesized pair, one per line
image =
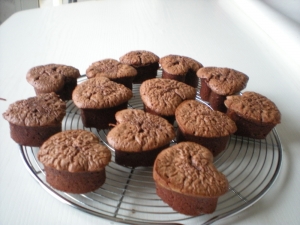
(129, 196)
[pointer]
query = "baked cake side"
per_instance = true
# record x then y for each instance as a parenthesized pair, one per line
(99, 99)
(187, 180)
(114, 70)
(218, 82)
(61, 79)
(145, 62)
(138, 137)
(74, 161)
(34, 120)
(162, 96)
(254, 114)
(200, 124)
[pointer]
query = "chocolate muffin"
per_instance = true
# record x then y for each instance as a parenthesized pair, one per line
(34, 120)
(180, 68)
(217, 83)
(114, 70)
(138, 137)
(187, 180)
(145, 62)
(74, 161)
(199, 123)
(254, 114)
(162, 96)
(174, 67)
(99, 99)
(60, 79)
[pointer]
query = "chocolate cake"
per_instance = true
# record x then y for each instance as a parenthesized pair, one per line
(74, 161)
(217, 83)
(254, 114)
(162, 96)
(187, 180)
(57, 78)
(99, 99)
(199, 123)
(145, 62)
(34, 120)
(180, 68)
(138, 137)
(114, 70)
(174, 67)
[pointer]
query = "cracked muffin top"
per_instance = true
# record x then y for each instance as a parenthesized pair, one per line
(197, 119)
(110, 68)
(188, 168)
(139, 58)
(43, 110)
(99, 93)
(74, 151)
(179, 65)
(174, 64)
(51, 77)
(164, 95)
(138, 131)
(223, 81)
(254, 107)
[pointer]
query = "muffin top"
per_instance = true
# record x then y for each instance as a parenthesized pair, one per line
(74, 151)
(198, 119)
(110, 68)
(174, 64)
(254, 107)
(179, 65)
(99, 93)
(43, 110)
(139, 58)
(164, 95)
(138, 131)
(223, 81)
(188, 168)
(51, 77)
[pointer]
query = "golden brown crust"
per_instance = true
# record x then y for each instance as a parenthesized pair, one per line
(74, 151)
(99, 93)
(254, 107)
(43, 110)
(51, 77)
(223, 81)
(139, 58)
(188, 168)
(164, 95)
(110, 68)
(138, 131)
(197, 119)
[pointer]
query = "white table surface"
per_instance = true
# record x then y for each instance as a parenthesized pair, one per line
(216, 33)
